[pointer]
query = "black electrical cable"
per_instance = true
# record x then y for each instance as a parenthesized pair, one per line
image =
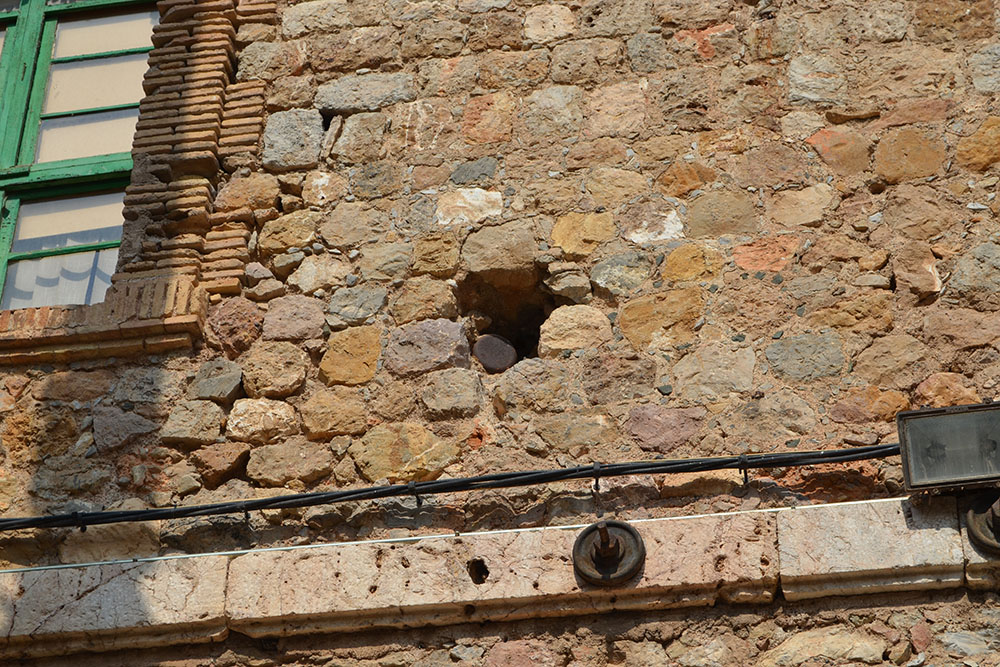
(494, 481)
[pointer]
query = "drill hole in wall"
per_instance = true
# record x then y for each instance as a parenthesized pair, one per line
(514, 307)
(478, 571)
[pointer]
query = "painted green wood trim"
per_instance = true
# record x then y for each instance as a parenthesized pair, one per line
(88, 169)
(102, 54)
(82, 112)
(8, 219)
(16, 88)
(93, 4)
(31, 117)
(67, 250)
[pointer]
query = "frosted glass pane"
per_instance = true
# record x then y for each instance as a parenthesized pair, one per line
(58, 223)
(95, 83)
(86, 135)
(108, 32)
(78, 278)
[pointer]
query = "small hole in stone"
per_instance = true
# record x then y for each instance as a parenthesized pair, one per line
(470, 609)
(513, 305)
(876, 187)
(478, 571)
(372, 589)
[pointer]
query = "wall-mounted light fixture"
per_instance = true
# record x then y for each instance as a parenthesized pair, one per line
(948, 450)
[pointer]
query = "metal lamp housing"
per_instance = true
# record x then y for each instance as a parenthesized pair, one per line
(950, 448)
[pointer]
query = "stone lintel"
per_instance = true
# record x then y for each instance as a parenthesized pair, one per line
(689, 562)
(112, 607)
(869, 547)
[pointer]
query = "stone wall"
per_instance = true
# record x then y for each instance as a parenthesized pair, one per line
(706, 227)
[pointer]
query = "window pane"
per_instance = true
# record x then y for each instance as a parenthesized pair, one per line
(9, 5)
(108, 32)
(90, 134)
(95, 83)
(77, 278)
(3, 31)
(67, 221)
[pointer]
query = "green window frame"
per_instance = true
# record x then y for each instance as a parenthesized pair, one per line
(26, 61)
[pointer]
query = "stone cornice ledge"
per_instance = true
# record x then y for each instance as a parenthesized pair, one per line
(841, 549)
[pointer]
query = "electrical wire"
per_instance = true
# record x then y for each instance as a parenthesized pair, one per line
(505, 480)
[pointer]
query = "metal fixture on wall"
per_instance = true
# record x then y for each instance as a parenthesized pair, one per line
(608, 553)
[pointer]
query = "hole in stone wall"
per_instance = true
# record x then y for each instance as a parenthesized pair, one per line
(478, 571)
(515, 307)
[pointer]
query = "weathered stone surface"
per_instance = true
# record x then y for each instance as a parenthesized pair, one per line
(721, 213)
(193, 424)
(897, 360)
(661, 429)
(425, 346)
(335, 411)
(663, 319)
(576, 433)
(351, 356)
(985, 65)
(579, 234)
(278, 464)
(692, 262)
(868, 311)
(292, 139)
(584, 61)
(488, 119)
(505, 252)
(261, 420)
(868, 404)
(433, 38)
(255, 190)
(352, 223)
(908, 153)
(807, 357)
(360, 138)
(915, 268)
(234, 325)
(960, 328)
(918, 212)
(884, 545)
(306, 18)
(975, 280)
(804, 207)
(452, 392)
(650, 221)
(612, 378)
(436, 254)
(295, 230)
(423, 298)
(571, 328)
(569, 281)
(293, 317)
(474, 170)
(713, 371)
(537, 385)
(946, 389)
(318, 272)
(269, 60)
(815, 79)
(682, 177)
(402, 452)
(114, 428)
(834, 644)
(220, 462)
(779, 414)
(365, 92)
(690, 562)
(616, 110)
(611, 187)
(386, 261)
(355, 305)
(217, 380)
(274, 369)
(73, 385)
(553, 111)
(771, 253)
(981, 149)
(468, 206)
(844, 150)
(108, 607)
(547, 23)
(621, 274)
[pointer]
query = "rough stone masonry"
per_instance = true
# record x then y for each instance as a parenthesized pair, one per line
(708, 228)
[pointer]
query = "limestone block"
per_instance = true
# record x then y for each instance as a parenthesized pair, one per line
(529, 574)
(112, 607)
(869, 547)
